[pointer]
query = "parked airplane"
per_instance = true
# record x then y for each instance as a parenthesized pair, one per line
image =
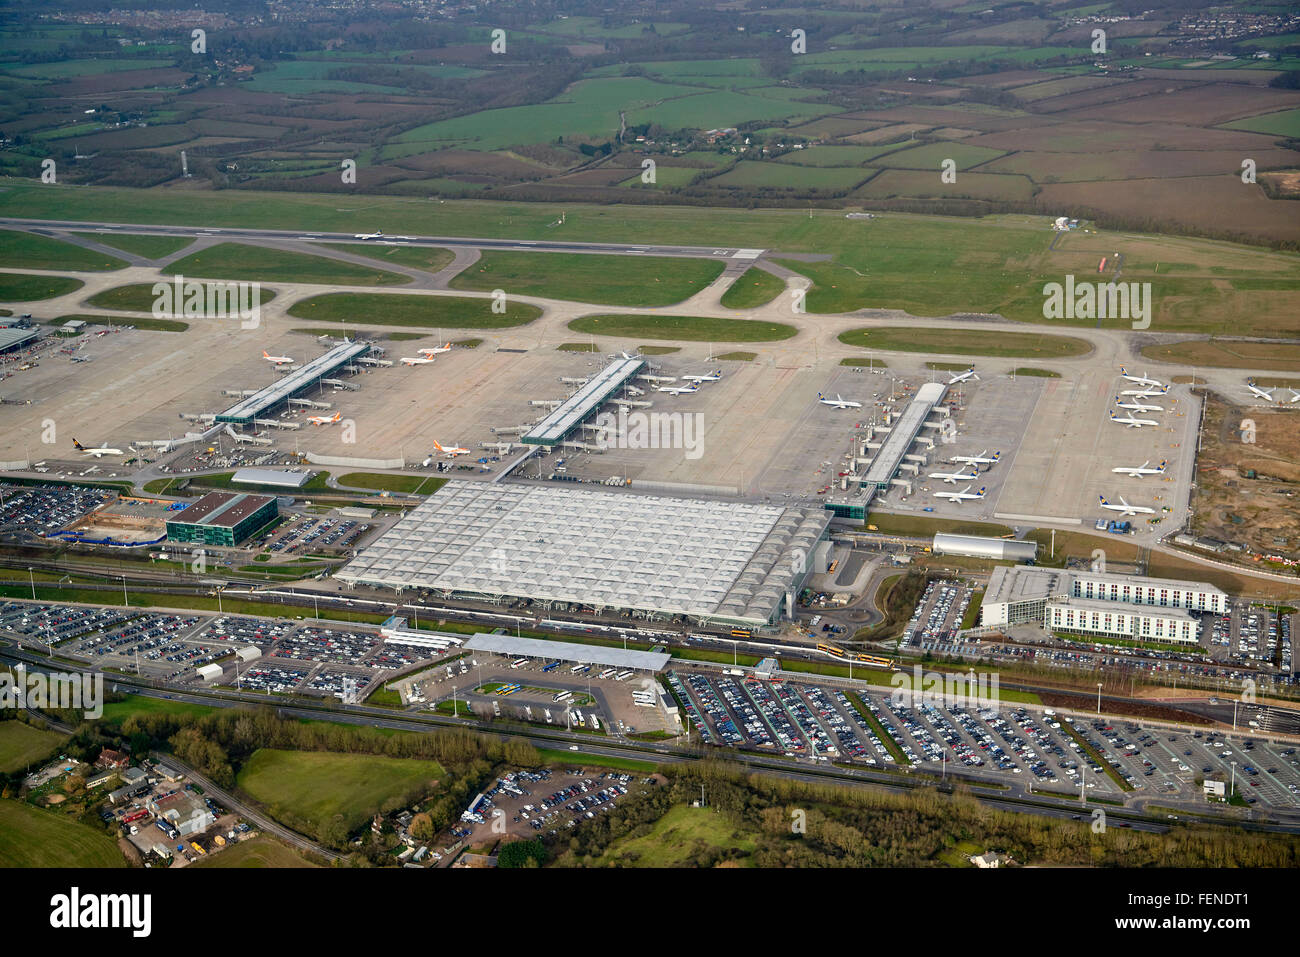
(1124, 508)
(324, 419)
(981, 459)
(1131, 422)
(452, 452)
(1265, 394)
(1147, 393)
(1141, 379)
(437, 350)
(1137, 471)
(711, 377)
(838, 402)
(962, 377)
(961, 496)
(374, 235)
(95, 452)
(1138, 406)
(416, 360)
(952, 478)
(679, 389)
(1295, 396)
(626, 356)
(278, 360)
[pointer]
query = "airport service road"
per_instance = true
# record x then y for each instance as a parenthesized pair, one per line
(235, 234)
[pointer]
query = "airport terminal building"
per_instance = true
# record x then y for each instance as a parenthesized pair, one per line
(713, 562)
(222, 518)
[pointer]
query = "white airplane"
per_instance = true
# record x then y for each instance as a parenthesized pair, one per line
(1265, 394)
(838, 402)
(1138, 406)
(981, 459)
(452, 452)
(679, 389)
(1295, 396)
(953, 478)
(1137, 471)
(626, 356)
(961, 496)
(1141, 379)
(374, 235)
(95, 452)
(415, 360)
(437, 350)
(1124, 508)
(1146, 393)
(278, 360)
(1131, 422)
(962, 377)
(324, 419)
(711, 377)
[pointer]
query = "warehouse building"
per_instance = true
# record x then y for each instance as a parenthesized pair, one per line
(15, 338)
(566, 417)
(539, 649)
(185, 810)
(709, 561)
(978, 546)
(294, 383)
(223, 518)
(279, 478)
(1100, 602)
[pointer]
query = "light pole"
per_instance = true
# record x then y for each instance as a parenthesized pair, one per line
(1099, 697)
(32, 576)
(125, 600)
(1232, 788)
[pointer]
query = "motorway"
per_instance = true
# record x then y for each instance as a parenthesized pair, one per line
(448, 242)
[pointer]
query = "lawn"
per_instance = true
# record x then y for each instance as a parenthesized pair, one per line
(153, 325)
(753, 288)
(314, 786)
(1019, 345)
(428, 258)
(926, 527)
(684, 328)
(790, 176)
(678, 836)
(581, 277)
(1226, 354)
(430, 312)
(139, 297)
(31, 837)
(257, 852)
(262, 264)
(379, 481)
(150, 247)
(115, 712)
(31, 251)
(17, 287)
(21, 745)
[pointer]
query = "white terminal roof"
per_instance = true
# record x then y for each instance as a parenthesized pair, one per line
(568, 651)
(578, 406)
(733, 561)
(272, 477)
(293, 382)
(902, 433)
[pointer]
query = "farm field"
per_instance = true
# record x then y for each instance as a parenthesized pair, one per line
(967, 343)
(582, 277)
(910, 182)
(395, 309)
(789, 176)
(31, 837)
(21, 745)
(314, 786)
(683, 328)
(260, 264)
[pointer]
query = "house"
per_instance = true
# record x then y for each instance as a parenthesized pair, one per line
(989, 859)
(111, 760)
(99, 779)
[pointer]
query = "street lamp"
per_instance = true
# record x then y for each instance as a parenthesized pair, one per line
(125, 600)
(1099, 697)
(32, 576)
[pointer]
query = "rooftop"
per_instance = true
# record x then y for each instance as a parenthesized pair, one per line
(293, 382)
(568, 651)
(582, 403)
(903, 432)
(222, 509)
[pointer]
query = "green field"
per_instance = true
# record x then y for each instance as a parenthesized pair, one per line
(431, 312)
(153, 325)
(683, 328)
(581, 277)
(150, 247)
(32, 251)
(19, 287)
(139, 297)
(21, 745)
(931, 156)
(31, 837)
(869, 362)
(1284, 123)
(411, 484)
(257, 852)
(1040, 373)
(428, 258)
(66, 69)
(677, 837)
(790, 176)
(753, 288)
(835, 155)
(261, 264)
(115, 712)
(967, 342)
(314, 786)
